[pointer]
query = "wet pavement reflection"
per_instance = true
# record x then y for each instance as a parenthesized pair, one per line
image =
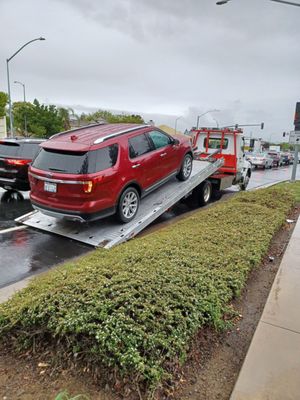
(26, 252)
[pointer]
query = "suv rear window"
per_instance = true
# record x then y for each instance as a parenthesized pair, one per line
(9, 149)
(71, 162)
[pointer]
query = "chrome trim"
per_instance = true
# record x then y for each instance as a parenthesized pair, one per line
(42, 178)
(9, 180)
(59, 215)
(102, 139)
(161, 182)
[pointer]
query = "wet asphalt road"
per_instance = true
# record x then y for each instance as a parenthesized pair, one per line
(26, 252)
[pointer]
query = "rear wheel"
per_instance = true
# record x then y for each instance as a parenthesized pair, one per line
(11, 196)
(186, 168)
(128, 205)
(203, 193)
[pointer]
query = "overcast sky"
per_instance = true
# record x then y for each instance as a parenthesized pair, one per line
(160, 58)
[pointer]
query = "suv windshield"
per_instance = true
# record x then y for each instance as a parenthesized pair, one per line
(71, 162)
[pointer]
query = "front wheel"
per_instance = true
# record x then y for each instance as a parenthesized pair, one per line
(186, 168)
(128, 205)
(244, 184)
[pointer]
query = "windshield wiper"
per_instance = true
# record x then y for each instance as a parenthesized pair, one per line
(58, 170)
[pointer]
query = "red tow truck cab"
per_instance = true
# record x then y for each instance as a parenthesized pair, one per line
(227, 144)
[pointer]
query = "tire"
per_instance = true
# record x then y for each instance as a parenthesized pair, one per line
(186, 168)
(128, 205)
(243, 185)
(203, 193)
(11, 196)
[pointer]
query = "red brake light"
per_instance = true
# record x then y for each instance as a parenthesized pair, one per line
(87, 186)
(11, 161)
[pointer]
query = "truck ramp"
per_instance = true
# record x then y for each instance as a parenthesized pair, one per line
(108, 232)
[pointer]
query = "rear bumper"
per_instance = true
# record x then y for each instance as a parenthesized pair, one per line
(14, 183)
(73, 215)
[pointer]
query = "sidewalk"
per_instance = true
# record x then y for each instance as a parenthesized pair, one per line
(271, 369)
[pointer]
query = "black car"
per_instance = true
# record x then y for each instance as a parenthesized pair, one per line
(15, 157)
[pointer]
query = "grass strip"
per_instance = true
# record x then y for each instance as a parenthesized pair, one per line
(134, 309)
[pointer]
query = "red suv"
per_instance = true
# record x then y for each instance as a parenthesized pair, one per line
(95, 171)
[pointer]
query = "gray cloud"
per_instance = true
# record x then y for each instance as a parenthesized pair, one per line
(161, 58)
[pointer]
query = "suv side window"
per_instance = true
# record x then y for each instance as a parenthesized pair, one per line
(139, 145)
(159, 139)
(106, 157)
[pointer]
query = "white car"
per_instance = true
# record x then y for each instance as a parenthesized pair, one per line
(262, 160)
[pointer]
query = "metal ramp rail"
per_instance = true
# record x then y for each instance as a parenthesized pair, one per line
(107, 232)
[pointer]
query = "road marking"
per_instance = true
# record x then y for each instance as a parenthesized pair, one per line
(15, 228)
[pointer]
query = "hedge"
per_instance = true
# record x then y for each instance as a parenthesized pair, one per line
(136, 308)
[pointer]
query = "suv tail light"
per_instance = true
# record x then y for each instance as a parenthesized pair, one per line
(87, 186)
(16, 162)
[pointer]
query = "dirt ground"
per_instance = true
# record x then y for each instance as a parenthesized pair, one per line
(209, 374)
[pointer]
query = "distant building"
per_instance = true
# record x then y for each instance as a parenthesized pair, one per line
(169, 130)
(3, 128)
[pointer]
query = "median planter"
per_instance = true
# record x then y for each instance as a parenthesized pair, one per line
(135, 309)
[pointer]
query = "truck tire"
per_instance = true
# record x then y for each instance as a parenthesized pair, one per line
(128, 205)
(203, 193)
(186, 168)
(244, 184)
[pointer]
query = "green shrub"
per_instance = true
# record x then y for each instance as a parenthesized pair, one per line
(135, 308)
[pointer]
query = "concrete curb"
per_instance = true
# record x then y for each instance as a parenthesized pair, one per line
(8, 291)
(271, 369)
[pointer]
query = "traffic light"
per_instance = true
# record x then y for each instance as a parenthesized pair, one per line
(297, 117)
(262, 125)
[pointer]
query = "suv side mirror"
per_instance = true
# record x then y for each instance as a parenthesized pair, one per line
(175, 142)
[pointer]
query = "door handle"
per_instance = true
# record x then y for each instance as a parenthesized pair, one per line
(136, 165)
(163, 154)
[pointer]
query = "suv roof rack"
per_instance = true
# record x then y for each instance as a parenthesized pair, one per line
(111, 135)
(76, 129)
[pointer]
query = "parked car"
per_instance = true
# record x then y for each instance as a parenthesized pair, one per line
(260, 160)
(96, 171)
(15, 158)
(286, 158)
(276, 157)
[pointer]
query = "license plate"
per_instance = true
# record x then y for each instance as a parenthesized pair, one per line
(50, 187)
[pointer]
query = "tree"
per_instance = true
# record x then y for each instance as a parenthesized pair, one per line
(42, 120)
(3, 102)
(109, 117)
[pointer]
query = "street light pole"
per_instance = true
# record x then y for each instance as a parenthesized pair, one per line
(24, 99)
(8, 82)
(290, 3)
(201, 115)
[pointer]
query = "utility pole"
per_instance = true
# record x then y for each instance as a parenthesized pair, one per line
(24, 100)
(295, 139)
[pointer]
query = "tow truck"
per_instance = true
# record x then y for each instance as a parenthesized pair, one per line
(219, 163)
(226, 144)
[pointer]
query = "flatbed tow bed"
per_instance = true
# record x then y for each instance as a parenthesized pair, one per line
(108, 232)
